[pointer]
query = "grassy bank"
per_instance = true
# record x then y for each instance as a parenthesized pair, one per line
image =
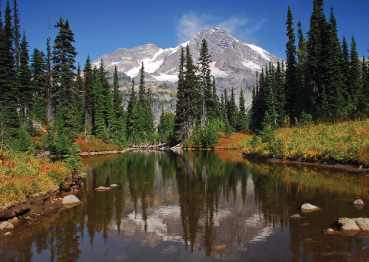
(22, 175)
(93, 144)
(346, 142)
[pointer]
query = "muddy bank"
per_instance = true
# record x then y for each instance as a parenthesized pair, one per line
(358, 169)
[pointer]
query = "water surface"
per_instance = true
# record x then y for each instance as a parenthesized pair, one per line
(200, 206)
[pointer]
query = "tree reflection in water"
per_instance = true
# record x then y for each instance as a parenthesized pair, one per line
(213, 202)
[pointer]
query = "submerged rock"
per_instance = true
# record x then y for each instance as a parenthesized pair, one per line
(309, 208)
(71, 199)
(295, 216)
(6, 225)
(102, 188)
(358, 202)
(114, 185)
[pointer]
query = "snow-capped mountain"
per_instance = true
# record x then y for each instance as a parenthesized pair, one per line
(234, 63)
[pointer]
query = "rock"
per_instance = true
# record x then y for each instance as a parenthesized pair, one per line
(362, 223)
(348, 224)
(330, 231)
(13, 220)
(71, 199)
(309, 208)
(102, 188)
(295, 216)
(114, 185)
(82, 175)
(6, 225)
(358, 202)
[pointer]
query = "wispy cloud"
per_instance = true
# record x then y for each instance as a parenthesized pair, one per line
(242, 28)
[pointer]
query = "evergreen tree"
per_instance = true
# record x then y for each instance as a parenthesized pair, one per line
(241, 124)
(364, 102)
(26, 91)
(141, 87)
(39, 78)
(120, 133)
(345, 65)
(16, 34)
(232, 110)
(131, 104)
(354, 88)
(10, 92)
(88, 96)
(63, 79)
(291, 85)
(180, 105)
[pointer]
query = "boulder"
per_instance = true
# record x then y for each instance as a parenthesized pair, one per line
(309, 208)
(70, 200)
(295, 216)
(358, 202)
(348, 224)
(6, 225)
(362, 223)
(102, 188)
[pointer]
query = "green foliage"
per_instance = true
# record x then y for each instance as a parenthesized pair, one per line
(306, 119)
(206, 137)
(22, 143)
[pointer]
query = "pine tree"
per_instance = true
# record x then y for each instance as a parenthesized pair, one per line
(241, 124)
(191, 105)
(131, 104)
(9, 88)
(120, 133)
(39, 78)
(332, 77)
(345, 65)
(63, 79)
(354, 88)
(88, 96)
(232, 110)
(48, 91)
(180, 113)
(26, 92)
(291, 85)
(364, 103)
(141, 87)
(16, 34)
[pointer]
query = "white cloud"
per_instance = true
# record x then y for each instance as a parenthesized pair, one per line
(242, 28)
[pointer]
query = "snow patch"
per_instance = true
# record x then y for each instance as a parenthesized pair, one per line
(165, 77)
(216, 71)
(251, 65)
(260, 51)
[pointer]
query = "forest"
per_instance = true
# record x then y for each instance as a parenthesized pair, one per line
(45, 92)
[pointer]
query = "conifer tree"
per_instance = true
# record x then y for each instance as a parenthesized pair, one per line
(232, 110)
(141, 87)
(63, 79)
(16, 34)
(10, 91)
(88, 96)
(345, 65)
(120, 133)
(241, 124)
(355, 88)
(180, 113)
(291, 85)
(131, 104)
(364, 102)
(26, 91)
(39, 75)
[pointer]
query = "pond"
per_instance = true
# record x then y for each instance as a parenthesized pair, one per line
(201, 206)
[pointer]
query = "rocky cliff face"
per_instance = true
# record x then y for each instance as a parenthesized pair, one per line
(234, 64)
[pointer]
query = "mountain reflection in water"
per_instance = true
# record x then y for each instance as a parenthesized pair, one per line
(199, 206)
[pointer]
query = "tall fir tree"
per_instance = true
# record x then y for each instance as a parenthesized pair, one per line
(88, 96)
(291, 85)
(180, 105)
(355, 87)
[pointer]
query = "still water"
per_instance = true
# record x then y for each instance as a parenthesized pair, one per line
(201, 206)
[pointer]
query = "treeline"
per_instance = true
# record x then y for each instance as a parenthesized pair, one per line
(48, 89)
(200, 113)
(322, 78)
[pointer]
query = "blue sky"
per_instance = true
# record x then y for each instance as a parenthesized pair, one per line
(102, 27)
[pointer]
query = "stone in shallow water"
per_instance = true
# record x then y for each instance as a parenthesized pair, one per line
(114, 185)
(362, 223)
(6, 225)
(295, 216)
(358, 202)
(102, 188)
(71, 199)
(348, 224)
(309, 207)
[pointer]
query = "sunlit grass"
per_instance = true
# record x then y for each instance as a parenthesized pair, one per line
(236, 140)
(93, 144)
(344, 142)
(22, 175)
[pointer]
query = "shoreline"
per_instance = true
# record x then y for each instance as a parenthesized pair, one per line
(351, 168)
